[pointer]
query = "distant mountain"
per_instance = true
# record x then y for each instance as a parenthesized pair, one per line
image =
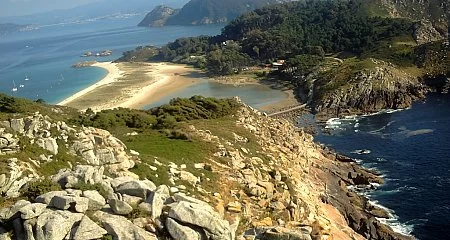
(93, 10)
(158, 16)
(205, 12)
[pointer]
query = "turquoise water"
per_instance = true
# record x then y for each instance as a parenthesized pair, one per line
(46, 55)
(254, 95)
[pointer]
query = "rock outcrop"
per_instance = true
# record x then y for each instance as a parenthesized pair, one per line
(434, 15)
(272, 182)
(75, 214)
(96, 148)
(158, 16)
(371, 89)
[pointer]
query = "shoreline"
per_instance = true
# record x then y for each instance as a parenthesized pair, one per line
(162, 79)
(289, 101)
(133, 85)
(113, 73)
(136, 85)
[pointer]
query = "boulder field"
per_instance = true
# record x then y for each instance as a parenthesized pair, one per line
(274, 183)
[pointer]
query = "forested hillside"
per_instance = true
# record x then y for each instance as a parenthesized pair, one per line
(287, 30)
(205, 12)
(338, 54)
(215, 11)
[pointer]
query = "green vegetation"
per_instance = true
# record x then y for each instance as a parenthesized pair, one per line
(163, 117)
(34, 189)
(214, 11)
(96, 186)
(140, 54)
(107, 237)
(154, 145)
(196, 107)
(434, 58)
(32, 151)
(286, 31)
(109, 119)
(163, 134)
(23, 107)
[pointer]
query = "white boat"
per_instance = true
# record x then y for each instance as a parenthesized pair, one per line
(26, 78)
(21, 85)
(14, 89)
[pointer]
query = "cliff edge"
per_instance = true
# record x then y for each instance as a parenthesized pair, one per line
(230, 176)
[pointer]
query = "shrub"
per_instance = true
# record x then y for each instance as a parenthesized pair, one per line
(179, 134)
(36, 188)
(86, 186)
(196, 107)
(165, 122)
(107, 237)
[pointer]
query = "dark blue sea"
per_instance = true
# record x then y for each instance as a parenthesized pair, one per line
(411, 148)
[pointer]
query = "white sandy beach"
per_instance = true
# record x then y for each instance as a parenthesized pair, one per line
(133, 85)
(113, 74)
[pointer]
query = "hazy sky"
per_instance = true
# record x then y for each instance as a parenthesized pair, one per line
(25, 7)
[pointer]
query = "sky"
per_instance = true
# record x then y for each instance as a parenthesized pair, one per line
(26, 7)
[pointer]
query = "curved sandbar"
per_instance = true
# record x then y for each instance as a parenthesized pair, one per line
(113, 74)
(133, 85)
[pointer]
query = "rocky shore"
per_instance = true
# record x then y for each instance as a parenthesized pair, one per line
(380, 86)
(273, 182)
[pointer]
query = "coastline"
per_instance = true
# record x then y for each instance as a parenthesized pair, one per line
(249, 79)
(113, 73)
(136, 85)
(132, 85)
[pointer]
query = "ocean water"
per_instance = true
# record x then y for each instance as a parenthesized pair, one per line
(46, 55)
(411, 148)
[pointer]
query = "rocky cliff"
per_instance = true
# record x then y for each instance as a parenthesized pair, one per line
(434, 58)
(158, 16)
(366, 87)
(265, 178)
(433, 16)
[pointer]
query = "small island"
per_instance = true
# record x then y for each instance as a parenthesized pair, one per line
(104, 53)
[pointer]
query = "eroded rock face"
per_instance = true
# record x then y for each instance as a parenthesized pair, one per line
(48, 144)
(136, 188)
(78, 204)
(122, 229)
(425, 32)
(55, 224)
(99, 148)
(16, 179)
(178, 231)
(32, 210)
(199, 215)
(120, 207)
(13, 211)
(87, 229)
(369, 90)
(157, 199)
(284, 233)
(281, 178)
(95, 200)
